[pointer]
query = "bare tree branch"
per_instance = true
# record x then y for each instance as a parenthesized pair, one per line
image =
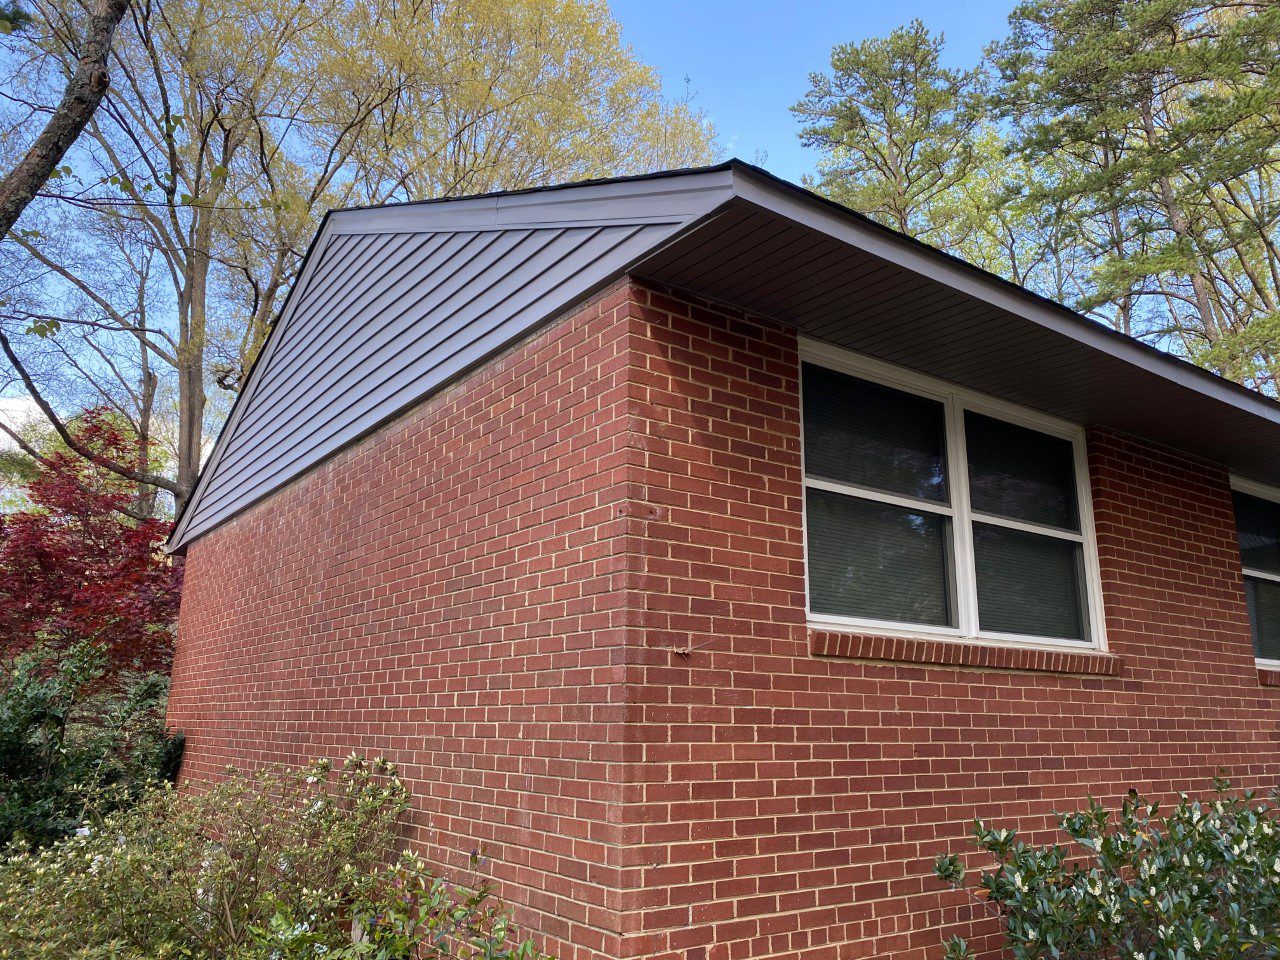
(21, 443)
(121, 469)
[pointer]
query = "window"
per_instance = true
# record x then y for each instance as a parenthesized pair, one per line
(928, 509)
(1258, 530)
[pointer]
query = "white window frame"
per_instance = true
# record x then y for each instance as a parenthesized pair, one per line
(956, 400)
(1262, 492)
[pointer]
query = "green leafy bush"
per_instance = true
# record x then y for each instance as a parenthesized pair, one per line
(65, 733)
(280, 865)
(1200, 881)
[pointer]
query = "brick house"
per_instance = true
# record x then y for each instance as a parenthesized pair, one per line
(710, 556)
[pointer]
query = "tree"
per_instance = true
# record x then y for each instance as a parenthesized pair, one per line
(234, 126)
(83, 92)
(74, 568)
(894, 127)
(1127, 163)
(1164, 117)
(66, 737)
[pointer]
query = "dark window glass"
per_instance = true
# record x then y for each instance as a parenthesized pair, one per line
(1020, 474)
(1029, 584)
(877, 561)
(1258, 527)
(1263, 599)
(867, 435)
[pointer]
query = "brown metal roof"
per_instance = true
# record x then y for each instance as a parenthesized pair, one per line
(731, 232)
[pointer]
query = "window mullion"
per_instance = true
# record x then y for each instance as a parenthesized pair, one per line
(962, 523)
(1036, 528)
(850, 490)
(1261, 575)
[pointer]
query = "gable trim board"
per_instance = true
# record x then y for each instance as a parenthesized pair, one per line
(393, 303)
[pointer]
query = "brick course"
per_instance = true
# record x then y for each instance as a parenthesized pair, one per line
(567, 594)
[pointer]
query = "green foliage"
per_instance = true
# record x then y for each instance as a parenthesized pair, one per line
(280, 865)
(1201, 881)
(1135, 173)
(894, 127)
(1167, 111)
(65, 735)
(12, 17)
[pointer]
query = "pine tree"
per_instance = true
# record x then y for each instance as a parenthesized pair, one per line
(1162, 117)
(893, 126)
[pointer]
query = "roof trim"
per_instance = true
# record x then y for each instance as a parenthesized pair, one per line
(762, 188)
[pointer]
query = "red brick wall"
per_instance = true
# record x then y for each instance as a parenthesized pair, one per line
(445, 594)
(567, 593)
(790, 805)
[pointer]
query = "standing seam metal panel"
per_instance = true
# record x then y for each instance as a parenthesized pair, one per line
(390, 319)
(301, 379)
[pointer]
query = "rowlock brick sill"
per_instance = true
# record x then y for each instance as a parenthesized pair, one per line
(1268, 677)
(958, 653)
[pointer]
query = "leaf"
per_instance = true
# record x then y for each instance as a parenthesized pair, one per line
(44, 328)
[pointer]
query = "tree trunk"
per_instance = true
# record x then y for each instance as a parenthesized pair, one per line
(191, 346)
(1181, 227)
(83, 93)
(146, 504)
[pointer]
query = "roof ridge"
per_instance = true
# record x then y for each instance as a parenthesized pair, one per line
(730, 164)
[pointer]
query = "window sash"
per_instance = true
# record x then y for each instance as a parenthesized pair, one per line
(1261, 492)
(871, 580)
(956, 401)
(1264, 579)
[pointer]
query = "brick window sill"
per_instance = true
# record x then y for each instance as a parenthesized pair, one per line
(1269, 677)
(958, 653)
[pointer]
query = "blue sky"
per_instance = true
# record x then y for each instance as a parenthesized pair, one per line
(748, 61)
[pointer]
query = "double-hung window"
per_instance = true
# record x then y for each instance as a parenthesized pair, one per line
(1258, 529)
(928, 509)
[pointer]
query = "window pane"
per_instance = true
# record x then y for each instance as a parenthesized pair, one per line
(1263, 598)
(867, 435)
(878, 561)
(1029, 584)
(1258, 527)
(1019, 473)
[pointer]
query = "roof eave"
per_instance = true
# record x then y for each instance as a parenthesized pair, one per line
(786, 199)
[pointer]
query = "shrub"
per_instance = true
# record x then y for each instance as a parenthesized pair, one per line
(75, 566)
(64, 734)
(280, 865)
(1201, 881)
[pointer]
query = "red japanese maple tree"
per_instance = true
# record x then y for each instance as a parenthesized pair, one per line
(74, 566)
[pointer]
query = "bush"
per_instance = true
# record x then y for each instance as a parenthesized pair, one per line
(1201, 881)
(66, 734)
(76, 563)
(281, 865)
